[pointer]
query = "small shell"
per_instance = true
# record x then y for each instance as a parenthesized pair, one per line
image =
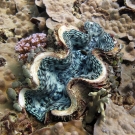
(17, 107)
(26, 72)
(16, 84)
(11, 93)
(28, 81)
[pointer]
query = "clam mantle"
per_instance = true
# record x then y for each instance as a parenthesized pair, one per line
(55, 75)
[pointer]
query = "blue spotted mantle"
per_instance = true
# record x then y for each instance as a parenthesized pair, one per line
(54, 74)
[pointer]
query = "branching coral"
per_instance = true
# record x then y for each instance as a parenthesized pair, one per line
(96, 106)
(26, 47)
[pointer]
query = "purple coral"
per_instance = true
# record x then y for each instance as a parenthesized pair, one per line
(25, 45)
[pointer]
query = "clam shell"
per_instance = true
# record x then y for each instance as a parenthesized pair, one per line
(62, 29)
(35, 65)
(21, 99)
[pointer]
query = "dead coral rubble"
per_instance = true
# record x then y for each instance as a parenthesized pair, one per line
(13, 123)
(127, 101)
(63, 128)
(18, 123)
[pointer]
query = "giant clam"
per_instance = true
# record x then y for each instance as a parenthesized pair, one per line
(55, 75)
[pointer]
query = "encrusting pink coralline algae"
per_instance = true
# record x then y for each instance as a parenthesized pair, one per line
(28, 45)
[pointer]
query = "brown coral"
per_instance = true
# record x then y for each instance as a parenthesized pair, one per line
(2, 84)
(63, 128)
(129, 52)
(127, 101)
(3, 98)
(118, 121)
(61, 11)
(9, 14)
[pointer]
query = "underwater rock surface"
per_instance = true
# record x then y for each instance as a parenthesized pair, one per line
(22, 19)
